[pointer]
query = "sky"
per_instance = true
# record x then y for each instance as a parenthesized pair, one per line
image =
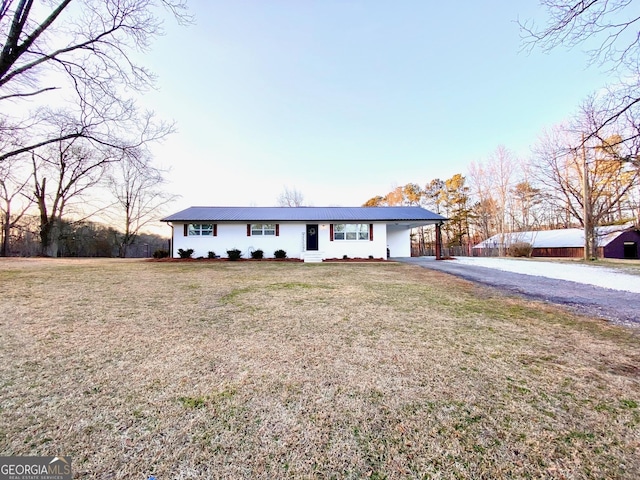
(344, 100)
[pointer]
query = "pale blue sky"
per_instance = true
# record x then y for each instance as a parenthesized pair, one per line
(343, 100)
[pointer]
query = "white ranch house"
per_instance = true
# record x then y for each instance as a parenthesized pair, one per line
(308, 233)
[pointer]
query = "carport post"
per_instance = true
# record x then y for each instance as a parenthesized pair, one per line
(438, 242)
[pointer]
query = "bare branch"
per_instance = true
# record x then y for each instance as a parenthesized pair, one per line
(609, 29)
(12, 50)
(28, 94)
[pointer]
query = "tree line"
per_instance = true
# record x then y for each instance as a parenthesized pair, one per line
(565, 183)
(80, 239)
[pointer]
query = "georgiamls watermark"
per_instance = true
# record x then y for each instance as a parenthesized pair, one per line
(35, 468)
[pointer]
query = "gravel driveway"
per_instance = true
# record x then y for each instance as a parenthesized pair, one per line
(614, 305)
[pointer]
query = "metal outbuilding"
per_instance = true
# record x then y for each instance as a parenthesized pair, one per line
(616, 241)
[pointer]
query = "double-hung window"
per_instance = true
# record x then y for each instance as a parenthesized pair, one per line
(351, 231)
(200, 229)
(263, 229)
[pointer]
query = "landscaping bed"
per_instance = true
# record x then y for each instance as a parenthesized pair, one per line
(217, 260)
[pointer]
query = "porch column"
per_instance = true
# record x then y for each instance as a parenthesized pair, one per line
(438, 242)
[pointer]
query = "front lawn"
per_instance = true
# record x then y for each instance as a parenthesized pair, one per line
(289, 370)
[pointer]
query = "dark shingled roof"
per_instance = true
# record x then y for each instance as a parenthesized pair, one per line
(306, 214)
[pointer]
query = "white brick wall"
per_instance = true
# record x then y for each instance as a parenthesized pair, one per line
(234, 235)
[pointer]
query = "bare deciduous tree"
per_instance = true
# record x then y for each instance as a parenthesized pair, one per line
(136, 186)
(61, 173)
(11, 186)
(493, 182)
(590, 180)
(290, 197)
(485, 208)
(501, 166)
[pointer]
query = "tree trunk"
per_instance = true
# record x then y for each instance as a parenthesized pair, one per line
(594, 243)
(49, 238)
(6, 231)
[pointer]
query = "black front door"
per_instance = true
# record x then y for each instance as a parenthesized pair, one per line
(312, 237)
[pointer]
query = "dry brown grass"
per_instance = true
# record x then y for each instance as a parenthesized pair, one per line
(267, 370)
